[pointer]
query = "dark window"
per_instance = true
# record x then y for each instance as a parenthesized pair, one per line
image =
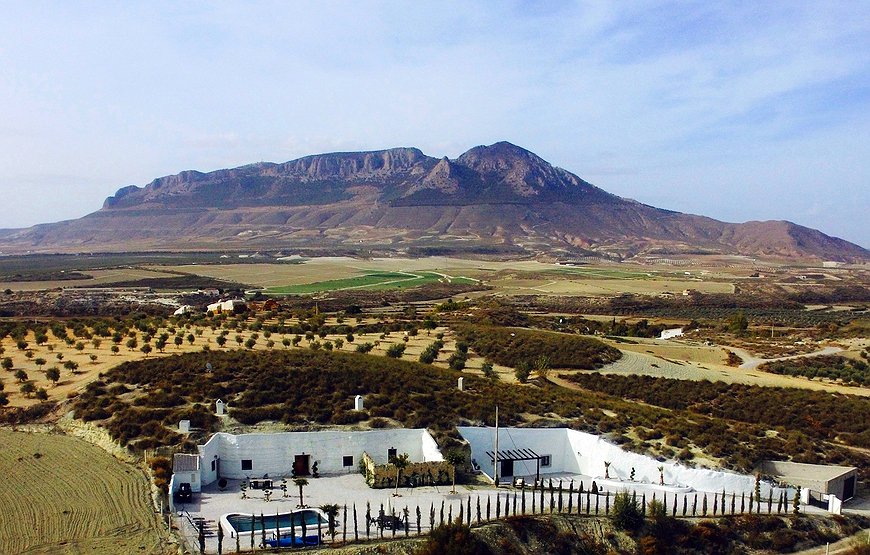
(347, 460)
(545, 460)
(247, 464)
(212, 466)
(391, 453)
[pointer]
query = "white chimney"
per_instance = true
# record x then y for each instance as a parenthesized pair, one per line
(460, 383)
(358, 402)
(184, 426)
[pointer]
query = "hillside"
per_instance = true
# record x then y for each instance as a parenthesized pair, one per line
(491, 197)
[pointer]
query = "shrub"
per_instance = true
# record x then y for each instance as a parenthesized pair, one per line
(626, 512)
(454, 538)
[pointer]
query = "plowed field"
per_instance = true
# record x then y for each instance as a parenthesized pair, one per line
(64, 495)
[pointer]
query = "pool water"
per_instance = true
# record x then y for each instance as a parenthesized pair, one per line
(242, 523)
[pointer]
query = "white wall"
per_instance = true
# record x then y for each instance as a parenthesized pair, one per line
(577, 452)
(273, 454)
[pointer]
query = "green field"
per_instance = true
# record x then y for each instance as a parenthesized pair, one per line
(372, 281)
(600, 273)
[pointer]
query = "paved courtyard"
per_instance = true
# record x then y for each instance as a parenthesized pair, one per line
(351, 489)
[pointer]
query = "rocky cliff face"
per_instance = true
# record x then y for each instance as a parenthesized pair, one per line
(497, 195)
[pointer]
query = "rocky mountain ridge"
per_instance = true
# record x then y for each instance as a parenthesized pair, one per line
(497, 196)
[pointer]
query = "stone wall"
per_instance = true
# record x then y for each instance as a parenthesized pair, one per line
(415, 474)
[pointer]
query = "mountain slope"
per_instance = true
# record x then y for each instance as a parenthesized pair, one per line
(498, 195)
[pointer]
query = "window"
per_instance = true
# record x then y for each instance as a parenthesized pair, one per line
(545, 460)
(212, 466)
(247, 464)
(391, 453)
(347, 460)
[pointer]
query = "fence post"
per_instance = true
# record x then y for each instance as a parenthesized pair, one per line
(589, 501)
(570, 496)
(597, 497)
(523, 502)
(665, 503)
(344, 526)
(674, 510)
(643, 504)
(478, 509)
(552, 497)
(559, 505)
(515, 503)
(533, 498)
(497, 505)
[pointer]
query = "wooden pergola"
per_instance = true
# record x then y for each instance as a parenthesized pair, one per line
(514, 455)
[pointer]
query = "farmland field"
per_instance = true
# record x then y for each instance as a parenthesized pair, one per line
(374, 281)
(64, 495)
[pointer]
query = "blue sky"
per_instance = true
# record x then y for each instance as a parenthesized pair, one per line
(735, 110)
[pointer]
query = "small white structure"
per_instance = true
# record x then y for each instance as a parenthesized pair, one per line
(460, 384)
(822, 484)
(186, 469)
(183, 309)
(184, 426)
(232, 305)
(220, 408)
(671, 333)
(358, 402)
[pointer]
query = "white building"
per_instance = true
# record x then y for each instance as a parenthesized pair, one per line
(232, 305)
(183, 309)
(525, 451)
(275, 455)
(671, 333)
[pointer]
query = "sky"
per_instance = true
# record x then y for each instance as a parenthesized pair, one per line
(735, 110)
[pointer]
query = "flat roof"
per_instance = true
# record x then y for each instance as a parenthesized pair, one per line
(182, 462)
(805, 471)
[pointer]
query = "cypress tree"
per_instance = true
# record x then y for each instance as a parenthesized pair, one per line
(770, 502)
(497, 505)
(570, 497)
(685, 505)
(355, 529)
(478, 507)
(704, 505)
(344, 525)
(487, 507)
(253, 530)
(674, 510)
(695, 505)
(715, 503)
(263, 527)
(220, 538)
(469, 511)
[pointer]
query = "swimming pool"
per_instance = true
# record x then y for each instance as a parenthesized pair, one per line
(240, 523)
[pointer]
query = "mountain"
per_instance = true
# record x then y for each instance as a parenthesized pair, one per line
(490, 198)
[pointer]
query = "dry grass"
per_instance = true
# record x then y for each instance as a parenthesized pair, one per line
(64, 495)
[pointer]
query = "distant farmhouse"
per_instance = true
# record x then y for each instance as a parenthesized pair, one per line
(231, 306)
(671, 333)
